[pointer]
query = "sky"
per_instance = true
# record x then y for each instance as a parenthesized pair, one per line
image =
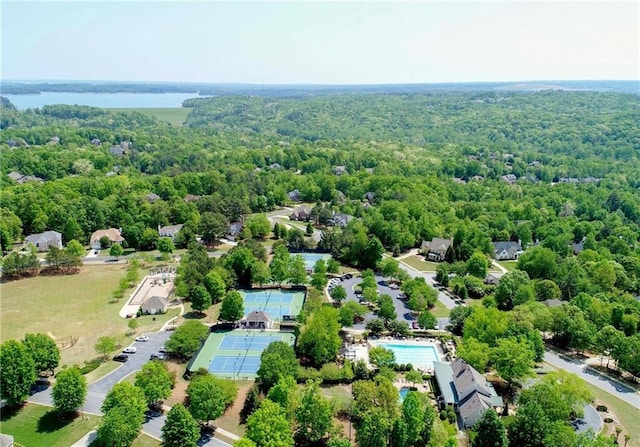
(302, 42)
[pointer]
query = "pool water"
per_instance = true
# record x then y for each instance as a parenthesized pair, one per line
(403, 392)
(420, 356)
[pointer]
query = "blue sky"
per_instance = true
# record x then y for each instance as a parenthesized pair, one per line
(360, 42)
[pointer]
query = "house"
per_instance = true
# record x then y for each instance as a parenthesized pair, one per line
(578, 247)
(466, 390)
(340, 197)
(152, 197)
(340, 170)
(294, 196)
(257, 320)
(506, 250)
(96, 142)
(553, 303)
(113, 234)
(234, 231)
(19, 178)
(116, 151)
(302, 213)
(191, 198)
(276, 166)
(6, 440)
(436, 249)
(169, 230)
(509, 178)
(340, 220)
(154, 305)
(42, 241)
(459, 180)
(491, 280)
(477, 178)
(369, 197)
(15, 176)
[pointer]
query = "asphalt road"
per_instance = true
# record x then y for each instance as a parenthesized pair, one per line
(97, 391)
(579, 368)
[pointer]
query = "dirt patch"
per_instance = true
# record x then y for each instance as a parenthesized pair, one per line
(179, 391)
(230, 420)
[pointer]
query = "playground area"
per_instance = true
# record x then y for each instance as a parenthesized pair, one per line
(278, 304)
(236, 354)
(160, 284)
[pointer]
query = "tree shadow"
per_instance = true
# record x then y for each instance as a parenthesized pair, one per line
(8, 412)
(51, 421)
(194, 315)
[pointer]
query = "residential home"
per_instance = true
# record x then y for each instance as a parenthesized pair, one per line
(169, 230)
(15, 176)
(234, 231)
(340, 170)
(553, 302)
(294, 196)
(509, 178)
(42, 241)
(535, 164)
(96, 142)
(113, 234)
(340, 220)
(491, 280)
(116, 151)
(506, 250)
(368, 170)
(54, 140)
(154, 305)
(466, 390)
(459, 180)
(578, 247)
(340, 197)
(477, 178)
(19, 178)
(436, 249)
(257, 320)
(370, 197)
(12, 143)
(302, 213)
(152, 197)
(276, 166)
(191, 198)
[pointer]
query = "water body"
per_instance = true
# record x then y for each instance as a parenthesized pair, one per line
(103, 100)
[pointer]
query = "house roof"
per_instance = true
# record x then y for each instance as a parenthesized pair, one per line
(155, 302)
(152, 196)
(191, 198)
(440, 244)
(47, 236)
(170, 228)
(506, 246)
(257, 316)
(553, 302)
(6, 440)
(112, 233)
(13, 175)
(235, 228)
(468, 380)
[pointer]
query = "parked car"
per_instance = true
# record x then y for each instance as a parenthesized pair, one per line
(415, 325)
(158, 356)
(162, 350)
(121, 358)
(142, 338)
(130, 350)
(394, 286)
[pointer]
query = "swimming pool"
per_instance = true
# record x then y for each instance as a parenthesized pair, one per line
(420, 356)
(403, 392)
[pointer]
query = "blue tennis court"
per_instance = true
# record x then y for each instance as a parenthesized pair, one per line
(236, 365)
(276, 303)
(310, 259)
(247, 343)
(273, 296)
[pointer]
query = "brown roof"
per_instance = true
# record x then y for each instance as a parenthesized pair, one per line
(154, 302)
(112, 233)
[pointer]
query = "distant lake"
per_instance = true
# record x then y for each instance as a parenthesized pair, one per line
(103, 100)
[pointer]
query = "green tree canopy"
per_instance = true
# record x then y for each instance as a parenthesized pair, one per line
(232, 308)
(278, 360)
(155, 381)
(17, 370)
(268, 426)
(43, 350)
(69, 391)
(319, 338)
(180, 428)
(186, 339)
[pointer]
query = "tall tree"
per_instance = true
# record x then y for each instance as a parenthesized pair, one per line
(215, 285)
(513, 361)
(180, 428)
(43, 350)
(206, 398)
(155, 382)
(280, 264)
(185, 341)
(320, 337)
(69, 391)
(297, 270)
(200, 299)
(268, 426)
(17, 372)
(313, 416)
(386, 308)
(278, 360)
(232, 308)
(490, 431)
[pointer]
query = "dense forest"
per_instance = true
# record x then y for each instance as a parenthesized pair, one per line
(548, 169)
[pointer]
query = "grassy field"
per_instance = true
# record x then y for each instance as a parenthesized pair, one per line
(175, 116)
(439, 310)
(36, 425)
(419, 264)
(70, 307)
(508, 265)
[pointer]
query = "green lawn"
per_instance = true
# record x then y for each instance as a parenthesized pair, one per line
(419, 264)
(439, 310)
(37, 425)
(175, 116)
(509, 265)
(66, 307)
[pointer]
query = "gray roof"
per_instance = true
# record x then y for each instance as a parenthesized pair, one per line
(440, 244)
(170, 228)
(154, 302)
(444, 377)
(257, 316)
(48, 236)
(506, 246)
(553, 303)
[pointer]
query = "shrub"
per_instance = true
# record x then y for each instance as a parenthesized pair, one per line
(90, 366)
(443, 415)
(602, 408)
(608, 420)
(451, 415)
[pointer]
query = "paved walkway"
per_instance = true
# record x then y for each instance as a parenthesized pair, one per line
(580, 368)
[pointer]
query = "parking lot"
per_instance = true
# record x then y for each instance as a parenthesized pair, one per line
(402, 310)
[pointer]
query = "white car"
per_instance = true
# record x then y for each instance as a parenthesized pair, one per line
(142, 338)
(130, 350)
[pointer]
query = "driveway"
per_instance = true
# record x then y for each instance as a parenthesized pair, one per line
(580, 368)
